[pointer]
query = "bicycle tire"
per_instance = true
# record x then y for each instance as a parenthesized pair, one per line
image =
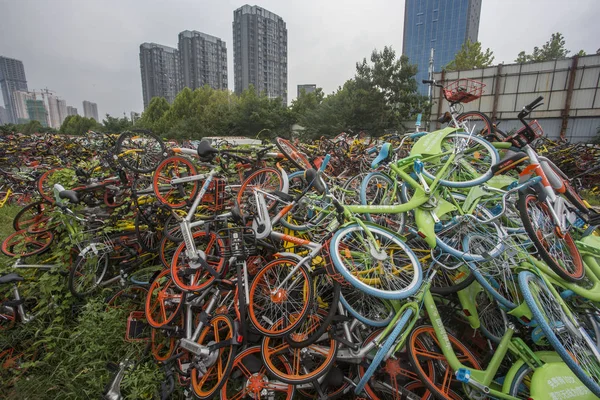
(391, 290)
(476, 160)
(150, 236)
(169, 297)
(24, 244)
(153, 151)
(266, 179)
(574, 356)
(301, 218)
(375, 189)
(348, 300)
(45, 186)
(131, 298)
(330, 310)
(486, 128)
(265, 310)
(33, 217)
(144, 276)
(221, 369)
(564, 248)
(174, 196)
(88, 270)
(248, 364)
(319, 361)
(466, 354)
(294, 155)
(385, 348)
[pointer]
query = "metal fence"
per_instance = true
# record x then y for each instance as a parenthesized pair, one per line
(570, 88)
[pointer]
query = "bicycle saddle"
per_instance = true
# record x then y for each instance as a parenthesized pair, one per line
(9, 278)
(315, 181)
(206, 151)
(70, 195)
(384, 153)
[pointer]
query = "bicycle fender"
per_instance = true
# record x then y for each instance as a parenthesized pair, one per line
(426, 226)
(555, 381)
(546, 356)
(431, 143)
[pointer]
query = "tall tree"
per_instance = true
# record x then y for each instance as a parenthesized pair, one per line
(471, 56)
(553, 49)
(116, 125)
(153, 113)
(78, 125)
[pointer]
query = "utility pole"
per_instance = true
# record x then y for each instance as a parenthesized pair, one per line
(430, 90)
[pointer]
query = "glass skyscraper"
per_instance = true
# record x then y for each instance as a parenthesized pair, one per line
(443, 25)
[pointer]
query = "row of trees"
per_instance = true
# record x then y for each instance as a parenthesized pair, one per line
(382, 94)
(471, 55)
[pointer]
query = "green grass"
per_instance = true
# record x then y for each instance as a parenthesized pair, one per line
(7, 214)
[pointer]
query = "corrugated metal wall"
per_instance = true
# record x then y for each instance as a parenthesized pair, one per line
(575, 117)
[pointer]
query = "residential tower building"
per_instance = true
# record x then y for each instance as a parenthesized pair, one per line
(12, 78)
(202, 60)
(159, 66)
(90, 110)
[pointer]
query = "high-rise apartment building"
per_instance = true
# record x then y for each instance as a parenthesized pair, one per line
(19, 99)
(36, 109)
(12, 78)
(260, 51)
(202, 60)
(159, 66)
(71, 110)
(443, 25)
(4, 116)
(90, 110)
(307, 89)
(57, 111)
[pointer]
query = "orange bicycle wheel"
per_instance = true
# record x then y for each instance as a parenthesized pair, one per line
(424, 348)
(174, 195)
(249, 378)
(292, 153)
(45, 185)
(266, 179)
(270, 301)
(192, 278)
(24, 244)
(163, 301)
(308, 363)
(217, 335)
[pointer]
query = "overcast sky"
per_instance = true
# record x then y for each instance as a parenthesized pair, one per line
(89, 49)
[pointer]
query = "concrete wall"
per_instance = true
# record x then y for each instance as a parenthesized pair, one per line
(571, 101)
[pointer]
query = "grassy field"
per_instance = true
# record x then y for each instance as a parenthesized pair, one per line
(7, 213)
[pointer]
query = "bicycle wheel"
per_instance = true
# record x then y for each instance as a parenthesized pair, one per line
(456, 228)
(145, 276)
(266, 179)
(382, 353)
(308, 363)
(166, 250)
(369, 310)
(271, 301)
(88, 272)
(131, 298)
(174, 195)
(148, 228)
(327, 295)
(163, 301)
(477, 123)
(290, 152)
(249, 378)
(567, 336)
(556, 248)
(392, 272)
(45, 184)
(424, 348)
(163, 345)
(140, 151)
(192, 277)
(24, 244)
(380, 190)
(34, 217)
(217, 336)
(472, 165)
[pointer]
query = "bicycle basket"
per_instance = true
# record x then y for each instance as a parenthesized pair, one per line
(214, 198)
(137, 327)
(525, 136)
(240, 242)
(463, 90)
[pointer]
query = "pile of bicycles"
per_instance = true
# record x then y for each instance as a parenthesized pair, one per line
(452, 264)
